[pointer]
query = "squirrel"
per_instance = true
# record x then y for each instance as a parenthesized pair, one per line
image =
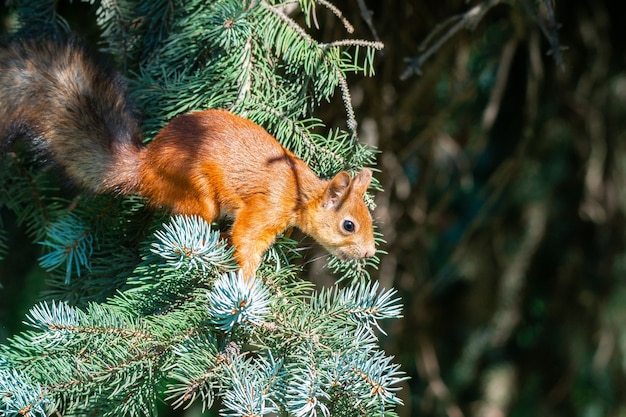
(207, 163)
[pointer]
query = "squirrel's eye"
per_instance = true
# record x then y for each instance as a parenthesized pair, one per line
(348, 226)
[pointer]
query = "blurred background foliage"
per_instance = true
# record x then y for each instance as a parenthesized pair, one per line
(502, 133)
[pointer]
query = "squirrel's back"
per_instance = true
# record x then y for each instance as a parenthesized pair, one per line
(73, 108)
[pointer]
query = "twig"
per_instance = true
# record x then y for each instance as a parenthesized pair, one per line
(549, 30)
(467, 20)
(430, 370)
(353, 42)
(508, 313)
(502, 78)
(337, 13)
(245, 79)
(367, 16)
(347, 102)
(289, 22)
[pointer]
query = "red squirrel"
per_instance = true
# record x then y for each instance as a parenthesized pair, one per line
(208, 163)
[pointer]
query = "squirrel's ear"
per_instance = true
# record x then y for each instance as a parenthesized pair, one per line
(361, 181)
(336, 190)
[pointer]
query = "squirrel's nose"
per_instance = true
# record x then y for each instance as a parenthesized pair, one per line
(370, 251)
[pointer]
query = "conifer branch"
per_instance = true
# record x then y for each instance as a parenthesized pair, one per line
(189, 243)
(311, 147)
(338, 13)
(3, 244)
(28, 195)
(180, 318)
(234, 301)
(347, 102)
(353, 42)
(71, 244)
(114, 16)
(288, 21)
(21, 396)
(245, 79)
(194, 378)
(337, 70)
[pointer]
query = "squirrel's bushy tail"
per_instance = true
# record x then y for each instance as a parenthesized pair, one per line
(72, 108)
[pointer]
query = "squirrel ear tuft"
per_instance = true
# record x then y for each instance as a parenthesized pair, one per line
(362, 180)
(336, 190)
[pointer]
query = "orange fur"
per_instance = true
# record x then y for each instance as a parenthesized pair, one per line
(214, 163)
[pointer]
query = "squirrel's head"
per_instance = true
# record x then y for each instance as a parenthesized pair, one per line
(341, 221)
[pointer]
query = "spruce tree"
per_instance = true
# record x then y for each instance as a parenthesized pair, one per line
(143, 308)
